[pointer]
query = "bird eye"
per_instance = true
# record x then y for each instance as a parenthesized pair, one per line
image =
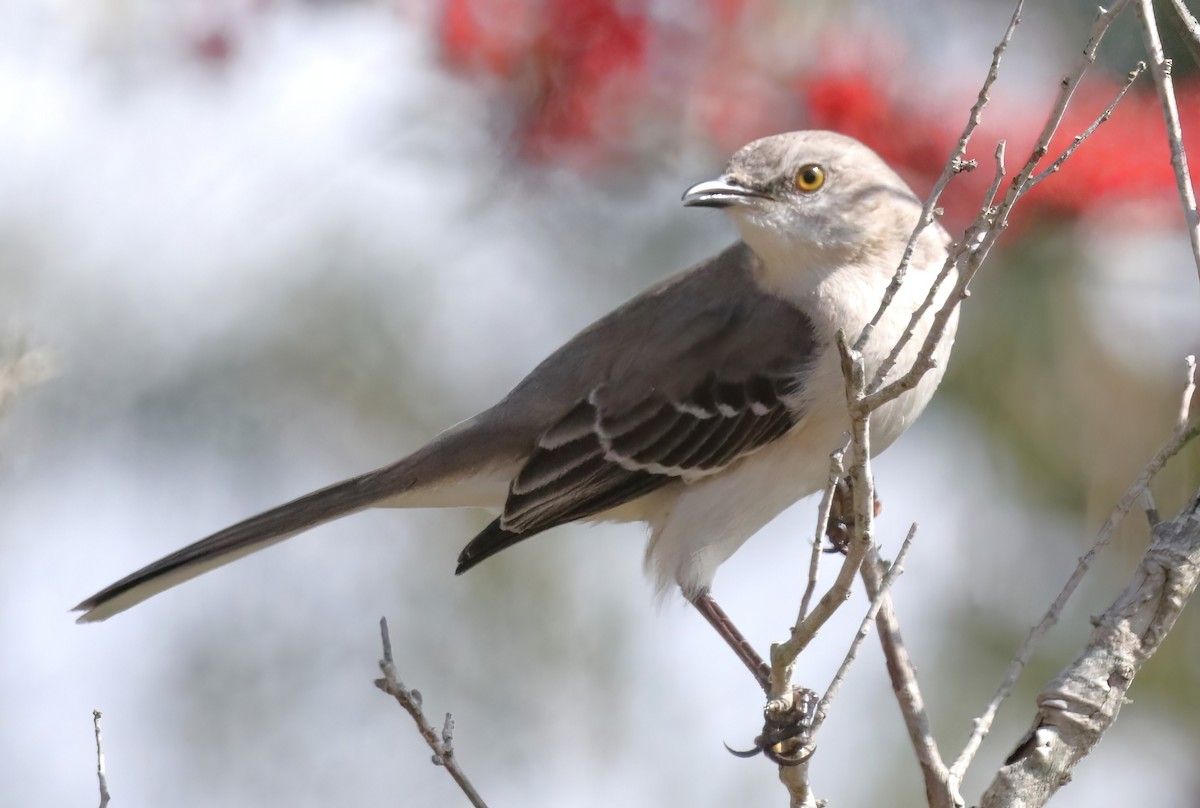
(810, 178)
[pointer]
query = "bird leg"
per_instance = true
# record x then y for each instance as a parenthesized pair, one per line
(780, 725)
(720, 621)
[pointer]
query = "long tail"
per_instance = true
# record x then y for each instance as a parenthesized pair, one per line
(457, 453)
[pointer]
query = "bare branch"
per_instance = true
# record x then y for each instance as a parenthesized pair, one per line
(1083, 701)
(1053, 168)
(836, 470)
(410, 700)
(983, 724)
(795, 779)
(883, 585)
(966, 258)
(1189, 29)
(100, 770)
(940, 791)
(954, 166)
(981, 236)
(1160, 68)
(950, 264)
(784, 654)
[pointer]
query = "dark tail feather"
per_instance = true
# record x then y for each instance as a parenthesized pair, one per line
(491, 540)
(232, 543)
(468, 448)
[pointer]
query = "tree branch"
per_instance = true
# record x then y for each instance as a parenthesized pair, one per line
(940, 790)
(100, 769)
(784, 654)
(442, 744)
(1160, 68)
(982, 725)
(1053, 168)
(837, 468)
(1189, 29)
(954, 166)
(981, 236)
(882, 577)
(1083, 701)
(862, 400)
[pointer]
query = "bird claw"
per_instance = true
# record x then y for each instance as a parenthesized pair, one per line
(781, 726)
(772, 751)
(746, 753)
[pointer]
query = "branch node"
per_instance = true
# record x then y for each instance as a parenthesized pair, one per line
(410, 700)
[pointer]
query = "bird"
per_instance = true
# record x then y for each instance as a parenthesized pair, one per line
(702, 407)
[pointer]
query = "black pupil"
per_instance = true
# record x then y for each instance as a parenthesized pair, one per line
(810, 176)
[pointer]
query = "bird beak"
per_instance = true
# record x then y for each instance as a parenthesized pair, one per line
(719, 193)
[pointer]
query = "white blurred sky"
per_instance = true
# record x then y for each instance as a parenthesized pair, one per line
(150, 207)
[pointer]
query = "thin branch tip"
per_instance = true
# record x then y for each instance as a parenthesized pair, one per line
(410, 699)
(101, 773)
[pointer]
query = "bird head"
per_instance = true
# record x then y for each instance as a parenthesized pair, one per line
(816, 195)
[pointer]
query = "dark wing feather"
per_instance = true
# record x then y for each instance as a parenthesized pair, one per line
(574, 474)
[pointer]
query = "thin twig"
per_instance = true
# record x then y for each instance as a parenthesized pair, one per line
(997, 175)
(784, 654)
(982, 725)
(836, 470)
(971, 252)
(101, 775)
(864, 628)
(954, 166)
(1189, 388)
(971, 236)
(969, 256)
(1160, 68)
(862, 488)
(940, 792)
(1130, 78)
(410, 700)
(1189, 29)
(966, 258)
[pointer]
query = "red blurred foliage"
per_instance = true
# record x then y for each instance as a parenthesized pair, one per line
(490, 37)
(583, 75)
(577, 64)
(855, 104)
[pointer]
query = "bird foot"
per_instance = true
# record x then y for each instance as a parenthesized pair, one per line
(785, 737)
(840, 527)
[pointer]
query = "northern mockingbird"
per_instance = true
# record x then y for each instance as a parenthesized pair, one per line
(703, 407)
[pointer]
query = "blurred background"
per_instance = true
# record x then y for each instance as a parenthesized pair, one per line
(270, 244)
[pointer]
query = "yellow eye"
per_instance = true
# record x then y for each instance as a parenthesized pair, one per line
(810, 178)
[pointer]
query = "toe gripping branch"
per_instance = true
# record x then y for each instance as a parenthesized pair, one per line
(785, 737)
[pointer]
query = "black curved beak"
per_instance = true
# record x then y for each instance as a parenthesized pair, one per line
(720, 193)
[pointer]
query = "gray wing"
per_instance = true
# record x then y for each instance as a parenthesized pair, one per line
(708, 381)
(597, 458)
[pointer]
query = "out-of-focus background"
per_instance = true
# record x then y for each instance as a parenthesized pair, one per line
(273, 244)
